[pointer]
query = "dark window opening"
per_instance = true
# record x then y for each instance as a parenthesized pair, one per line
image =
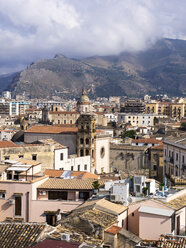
(57, 195)
(87, 141)
(81, 153)
(81, 141)
(18, 205)
(61, 156)
(84, 195)
(34, 157)
(87, 152)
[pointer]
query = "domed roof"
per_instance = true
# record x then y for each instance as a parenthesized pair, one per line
(84, 98)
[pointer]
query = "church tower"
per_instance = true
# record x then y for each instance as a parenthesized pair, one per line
(83, 104)
(86, 136)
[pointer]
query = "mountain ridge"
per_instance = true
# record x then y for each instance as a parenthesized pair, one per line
(160, 69)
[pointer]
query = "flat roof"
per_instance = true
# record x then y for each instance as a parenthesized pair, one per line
(156, 211)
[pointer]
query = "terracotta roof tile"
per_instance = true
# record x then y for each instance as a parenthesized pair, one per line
(113, 229)
(4, 144)
(19, 235)
(58, 183)
(52, 129)
(160, 146)
(48, 243)
(147, 141)
(103, 205)
(75, 174)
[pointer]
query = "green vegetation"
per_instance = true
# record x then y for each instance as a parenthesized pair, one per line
(96, 184)
(129, 134)
(183, 126)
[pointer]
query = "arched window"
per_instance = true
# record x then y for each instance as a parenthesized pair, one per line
(87, 141)
(81, 152)
(81, 141)
(87, 152)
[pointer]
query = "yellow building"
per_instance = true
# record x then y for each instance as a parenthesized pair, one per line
(174, 110)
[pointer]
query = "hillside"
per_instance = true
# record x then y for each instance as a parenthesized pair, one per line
(161, 69)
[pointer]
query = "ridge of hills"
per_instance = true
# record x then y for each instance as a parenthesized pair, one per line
(159, 70)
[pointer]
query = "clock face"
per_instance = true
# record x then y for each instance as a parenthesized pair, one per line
(102, 152)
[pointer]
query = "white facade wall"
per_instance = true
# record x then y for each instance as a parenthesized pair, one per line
(177, 155)
(111, 117)
(72, 163)
(102, 162)
(139, 120)
(121, 189)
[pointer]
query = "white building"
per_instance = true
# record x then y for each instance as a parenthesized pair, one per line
(138, 120)
(111, 117)
(72, 162)
(175, 157)
(140, 182)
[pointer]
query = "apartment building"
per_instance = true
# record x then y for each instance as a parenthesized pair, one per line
(137, 120)
(174, 110)
(175, 159)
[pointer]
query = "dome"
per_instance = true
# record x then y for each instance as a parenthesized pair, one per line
(84, 98)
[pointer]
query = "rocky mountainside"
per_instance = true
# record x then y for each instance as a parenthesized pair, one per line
(160, 69)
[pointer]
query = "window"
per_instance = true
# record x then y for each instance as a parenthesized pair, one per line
(133, 214)
(57, 195)
(81, 153)
(70, 121)
(87, 141)
(42, 192)
(34, 157)
(78, 167)
(7, 157)
(176, 156)
(85, 167)
(18, 206)
(65, 121)
(61, 156)
(83, 195)
(165, 152)
(81, 141)
(87, 152)
(137, 188)
(58, 121)
(2, 195)
(102, 152)
(72, 168)
(21, 156)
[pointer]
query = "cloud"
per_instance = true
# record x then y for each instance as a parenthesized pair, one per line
(33, 29)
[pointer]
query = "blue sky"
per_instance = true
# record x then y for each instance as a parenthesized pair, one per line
(35, 29)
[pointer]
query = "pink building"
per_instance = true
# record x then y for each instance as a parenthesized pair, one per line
(151, 218)
(42, 199)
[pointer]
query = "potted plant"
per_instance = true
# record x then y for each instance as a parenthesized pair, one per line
(96, 186)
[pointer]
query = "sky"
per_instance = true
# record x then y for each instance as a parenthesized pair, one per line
(35, 29)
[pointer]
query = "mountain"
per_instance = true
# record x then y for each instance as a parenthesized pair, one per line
(160, 69)
(6, 81)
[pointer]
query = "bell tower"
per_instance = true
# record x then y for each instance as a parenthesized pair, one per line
(86, 136)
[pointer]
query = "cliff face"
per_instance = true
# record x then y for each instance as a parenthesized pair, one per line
(160, 69)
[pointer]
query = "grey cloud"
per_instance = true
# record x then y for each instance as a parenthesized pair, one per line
(34, 29)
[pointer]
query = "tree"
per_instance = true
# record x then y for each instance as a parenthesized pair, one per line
(183, 126)
(144, 190)
(129, 134)
(96, 184)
